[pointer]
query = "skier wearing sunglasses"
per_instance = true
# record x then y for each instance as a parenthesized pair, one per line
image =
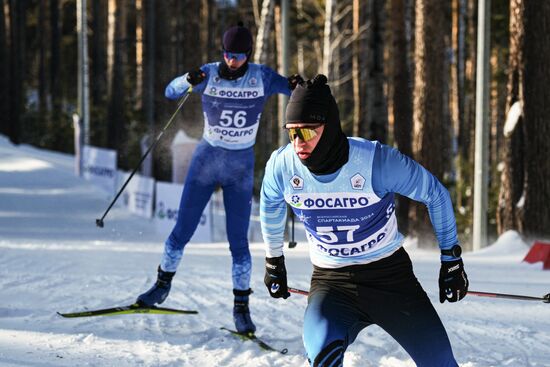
(342, 189)
(234, 92)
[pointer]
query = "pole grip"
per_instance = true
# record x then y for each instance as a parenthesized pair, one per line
(298, 291)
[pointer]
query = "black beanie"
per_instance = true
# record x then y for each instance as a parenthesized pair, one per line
(237, 39)
(312, 102)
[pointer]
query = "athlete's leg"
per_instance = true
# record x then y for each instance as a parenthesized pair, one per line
(331, 322)
(198, 188)
(399, 305)
(237, 188)
(237, 197)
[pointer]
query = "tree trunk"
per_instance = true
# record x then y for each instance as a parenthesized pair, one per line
(162, 75)
(402, 97)
(117, 100)
(55, 59)
(18, 67)
(300, 39)
(327, 39)
(133, 61)
(98, 72)
(191, 116)
(209, 30)
(42, 73)
(262, 39)
(148, 98)
(536, 79)
(355, 69)
(431, 145)
(99, 52)
(376, 110)
(512, 176)
(4, 73)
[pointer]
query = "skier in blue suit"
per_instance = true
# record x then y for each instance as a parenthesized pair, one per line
(234, 92)
(342, 189)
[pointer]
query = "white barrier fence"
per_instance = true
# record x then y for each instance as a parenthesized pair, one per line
(159, 201)
(100, 167)
(167, 210)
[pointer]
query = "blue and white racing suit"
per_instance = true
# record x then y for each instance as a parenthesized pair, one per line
(361, 276)
(224, 157)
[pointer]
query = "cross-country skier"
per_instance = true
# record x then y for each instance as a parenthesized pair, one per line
(234, 92)
(342, 189)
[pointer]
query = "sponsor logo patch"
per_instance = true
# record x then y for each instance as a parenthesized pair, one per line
(357, 182)
(297, 182)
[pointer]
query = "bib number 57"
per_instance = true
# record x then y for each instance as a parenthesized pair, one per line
(328, 236)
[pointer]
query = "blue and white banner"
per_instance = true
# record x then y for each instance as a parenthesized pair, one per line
(99, 166)
(167, 201)
(138, 194)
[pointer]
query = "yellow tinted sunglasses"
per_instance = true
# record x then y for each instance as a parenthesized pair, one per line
(304, 133)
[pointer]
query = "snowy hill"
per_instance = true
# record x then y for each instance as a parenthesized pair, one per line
(54, 258)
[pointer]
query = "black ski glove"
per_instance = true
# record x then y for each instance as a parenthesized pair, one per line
(196, 77)
(159, 291)
(294, 80)
(275, 277)
(453, 281)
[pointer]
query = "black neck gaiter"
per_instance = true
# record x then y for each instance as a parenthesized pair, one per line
(226, 73)
(331, 152)
(312, 102)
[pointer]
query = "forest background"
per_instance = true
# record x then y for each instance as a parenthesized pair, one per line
(403, 73)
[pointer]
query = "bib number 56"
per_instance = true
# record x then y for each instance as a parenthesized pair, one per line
(235, 118)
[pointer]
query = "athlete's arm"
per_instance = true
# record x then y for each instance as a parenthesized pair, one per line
(395, 172)
(179, 86)
(272, 210)
(274, 83)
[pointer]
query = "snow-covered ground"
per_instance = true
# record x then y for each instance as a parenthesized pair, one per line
(54, 258)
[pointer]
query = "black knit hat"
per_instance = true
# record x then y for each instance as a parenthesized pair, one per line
(237, 39)
(312, 102)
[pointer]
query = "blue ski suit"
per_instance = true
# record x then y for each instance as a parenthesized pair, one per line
(362, 275)
(224, 157)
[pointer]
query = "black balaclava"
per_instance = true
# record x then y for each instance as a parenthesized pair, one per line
(236, 39)
(312, 103)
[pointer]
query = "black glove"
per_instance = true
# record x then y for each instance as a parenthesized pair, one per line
(294, 80)
(275, 277)
(159, 291)
(453, 281)
(196, 77)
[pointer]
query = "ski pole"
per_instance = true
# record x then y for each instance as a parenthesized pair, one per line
(99, 222)
(298, 291)
(545, 299)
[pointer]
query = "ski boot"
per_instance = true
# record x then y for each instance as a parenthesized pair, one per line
(241, 313)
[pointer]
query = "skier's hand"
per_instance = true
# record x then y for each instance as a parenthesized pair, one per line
(294, 80)
(159, 291)
(275, 277)
(453, 281)
(196, 77)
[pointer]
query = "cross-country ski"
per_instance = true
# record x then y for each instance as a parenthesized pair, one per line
(253, 338)
(135, 308)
